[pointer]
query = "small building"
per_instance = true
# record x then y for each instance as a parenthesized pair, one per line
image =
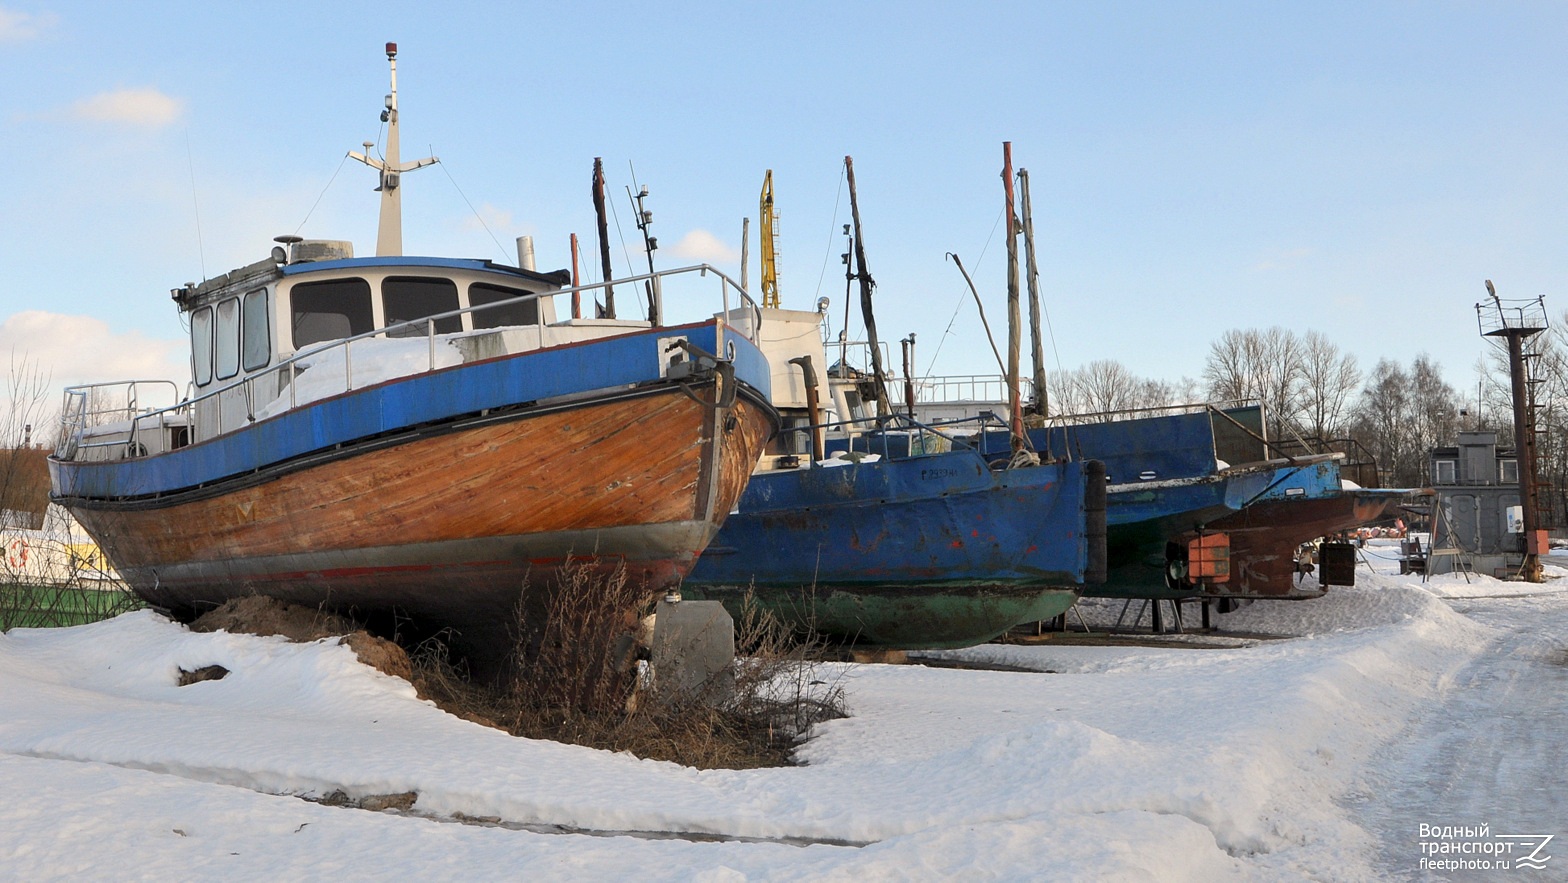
(1476, 522)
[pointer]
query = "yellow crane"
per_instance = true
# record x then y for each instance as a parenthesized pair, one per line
(769, 231)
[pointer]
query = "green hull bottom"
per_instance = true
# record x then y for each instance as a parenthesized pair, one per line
(900, 617)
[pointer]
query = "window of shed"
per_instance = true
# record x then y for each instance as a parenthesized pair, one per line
(521, 312)
(201, 345)
(257, 326)
(1508, 471)
(330, 310)
(405, 298)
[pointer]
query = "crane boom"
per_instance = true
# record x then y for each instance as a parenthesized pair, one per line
(769, 234)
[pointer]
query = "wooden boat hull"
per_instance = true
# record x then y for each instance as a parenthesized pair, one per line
(475, 509)
(442, 521)
(930, 551)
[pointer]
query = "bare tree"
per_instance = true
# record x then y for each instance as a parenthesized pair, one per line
(1381, 421)
(1330, 379)
(1402, 415)
(1266, 366)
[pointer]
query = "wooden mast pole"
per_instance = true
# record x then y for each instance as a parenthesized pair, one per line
(577, 280)
(604, 236)
(878, 376)
(1039, 406)
(1013, 319)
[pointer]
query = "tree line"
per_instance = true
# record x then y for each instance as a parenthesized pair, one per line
(1318, 395)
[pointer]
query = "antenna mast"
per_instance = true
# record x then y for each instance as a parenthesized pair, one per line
(389, 235)
(650, 244)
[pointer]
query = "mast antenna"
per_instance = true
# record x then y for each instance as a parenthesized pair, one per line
(389, 234)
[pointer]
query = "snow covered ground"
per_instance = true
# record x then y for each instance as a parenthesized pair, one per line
(1389, 706)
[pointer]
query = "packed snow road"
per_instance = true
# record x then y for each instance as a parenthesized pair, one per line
(1482, 773)
(1319, 756)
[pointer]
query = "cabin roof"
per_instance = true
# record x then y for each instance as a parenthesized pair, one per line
(556, 278)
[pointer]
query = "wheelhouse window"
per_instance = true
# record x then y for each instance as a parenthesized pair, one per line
(226, 339)
(1508, 471)
(1444, 473)
(201, 346)
(330, 310)
(257, 324)
(522, 312)
(405, 298)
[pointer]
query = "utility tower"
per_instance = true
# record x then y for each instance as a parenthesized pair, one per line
(1515, 322)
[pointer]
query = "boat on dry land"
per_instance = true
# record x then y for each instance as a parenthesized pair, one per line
(886, 532)
(417, 435)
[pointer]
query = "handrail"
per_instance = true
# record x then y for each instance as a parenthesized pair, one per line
(71, 427)
(883, 429)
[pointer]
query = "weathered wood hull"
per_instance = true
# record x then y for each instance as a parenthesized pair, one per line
(448, 524)
(930, 551)
(440, 520)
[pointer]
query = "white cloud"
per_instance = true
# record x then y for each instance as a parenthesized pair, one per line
(41, 353)
(700, 245)
(136, 107)
(1282, 259)
(489, 217)
(16, 27)
(82, 349)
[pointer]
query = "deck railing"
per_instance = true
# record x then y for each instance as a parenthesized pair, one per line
(84, 406)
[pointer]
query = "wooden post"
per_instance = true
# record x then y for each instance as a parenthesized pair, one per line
(1039, 406)
(879, 377)
(577, 281)
(1013, 319)
(604, 236)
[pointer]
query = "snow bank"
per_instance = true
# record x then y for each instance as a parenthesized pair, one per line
(1130, 763)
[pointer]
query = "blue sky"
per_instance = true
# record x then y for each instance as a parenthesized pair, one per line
(1357, 169)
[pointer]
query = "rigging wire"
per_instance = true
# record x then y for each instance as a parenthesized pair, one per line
(626, 253)
(832, 231)
(190, 161)
(471, 208)
(322, 195)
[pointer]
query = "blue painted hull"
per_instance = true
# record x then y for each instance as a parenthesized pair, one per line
(377, 411)
(1166, 485)
(930, 551)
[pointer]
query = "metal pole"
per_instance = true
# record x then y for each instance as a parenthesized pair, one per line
(1524, 451)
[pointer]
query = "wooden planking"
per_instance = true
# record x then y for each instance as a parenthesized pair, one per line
(631, 461)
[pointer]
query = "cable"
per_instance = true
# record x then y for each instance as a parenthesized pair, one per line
(201, 250)
(322, 194)
(471, 208)
(832, 231)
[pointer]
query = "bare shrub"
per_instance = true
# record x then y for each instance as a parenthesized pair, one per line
(579, 679)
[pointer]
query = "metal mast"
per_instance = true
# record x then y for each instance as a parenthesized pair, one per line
(389, 235)
(1515, 321)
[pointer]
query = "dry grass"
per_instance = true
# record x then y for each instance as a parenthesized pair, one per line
(578, 679)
